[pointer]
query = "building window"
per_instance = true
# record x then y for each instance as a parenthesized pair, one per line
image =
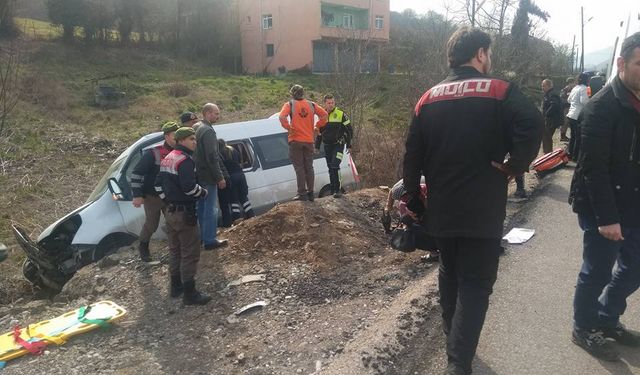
(347, 21)
(379, 22)
(267, 21)
(270, 51)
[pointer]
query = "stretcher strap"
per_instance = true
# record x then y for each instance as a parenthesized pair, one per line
(35, 347)
(83, 311)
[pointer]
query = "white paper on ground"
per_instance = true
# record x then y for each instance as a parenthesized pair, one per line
(519, 235)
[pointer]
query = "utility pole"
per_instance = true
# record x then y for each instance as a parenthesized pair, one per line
(573, 56)
(582, 31)
(473, 13)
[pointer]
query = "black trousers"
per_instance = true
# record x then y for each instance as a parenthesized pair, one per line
(240, 197)
(574, 142)
(225, 197)
(468, 270)
(333, 154)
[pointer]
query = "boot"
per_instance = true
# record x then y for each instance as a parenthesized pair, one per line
(192, 297)
(143, 248)
(176, 286)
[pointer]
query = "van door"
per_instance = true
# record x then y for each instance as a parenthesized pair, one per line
(260, 197)
(279, 175)
(277, 172)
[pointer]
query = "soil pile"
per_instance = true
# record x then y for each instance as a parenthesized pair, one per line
(321, 234)
(325, 273)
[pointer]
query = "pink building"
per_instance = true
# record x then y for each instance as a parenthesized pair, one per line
(322, 36)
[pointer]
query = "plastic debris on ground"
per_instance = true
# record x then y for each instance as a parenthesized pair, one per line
(519, 235)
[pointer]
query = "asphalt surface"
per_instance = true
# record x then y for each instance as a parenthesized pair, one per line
(528, 325)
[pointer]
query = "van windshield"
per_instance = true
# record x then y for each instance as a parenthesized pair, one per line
(102, 184)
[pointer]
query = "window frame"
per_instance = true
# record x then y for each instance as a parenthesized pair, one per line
(266, 165)
(273, 50)
(246, 150)
(267, 21)
(381, 19)
(347, 16)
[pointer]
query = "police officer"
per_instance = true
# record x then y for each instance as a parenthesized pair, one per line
(461, 131)
(178, 187)
(143, 179)
(335, 135)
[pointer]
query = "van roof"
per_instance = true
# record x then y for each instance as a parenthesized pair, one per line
(233, 130)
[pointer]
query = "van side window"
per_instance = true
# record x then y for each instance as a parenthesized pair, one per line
(125, 178)
(272, 150)
(246, 157)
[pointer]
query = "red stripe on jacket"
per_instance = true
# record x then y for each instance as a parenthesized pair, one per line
(468, 88)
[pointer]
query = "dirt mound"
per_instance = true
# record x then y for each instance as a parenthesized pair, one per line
(321, 233)
(325, 272)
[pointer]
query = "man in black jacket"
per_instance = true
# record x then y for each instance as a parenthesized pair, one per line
(553, 114)
(143, 179)
(605, 193)
(461, 132)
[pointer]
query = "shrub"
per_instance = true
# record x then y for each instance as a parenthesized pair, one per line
(178, 89)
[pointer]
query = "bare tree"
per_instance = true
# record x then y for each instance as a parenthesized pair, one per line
(9, 74)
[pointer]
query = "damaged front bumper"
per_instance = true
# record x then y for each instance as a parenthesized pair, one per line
(42, 268)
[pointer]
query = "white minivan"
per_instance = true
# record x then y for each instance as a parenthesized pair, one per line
(108, 220)
(627, 27)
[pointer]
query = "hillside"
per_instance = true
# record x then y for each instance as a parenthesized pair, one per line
(58, 144)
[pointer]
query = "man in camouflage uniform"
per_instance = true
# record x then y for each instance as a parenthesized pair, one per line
(178, 187)
(143, 179)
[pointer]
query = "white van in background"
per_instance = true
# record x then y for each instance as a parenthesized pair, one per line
(627, 27)
(108, 220)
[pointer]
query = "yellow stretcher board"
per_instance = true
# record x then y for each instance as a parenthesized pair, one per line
(59, 330)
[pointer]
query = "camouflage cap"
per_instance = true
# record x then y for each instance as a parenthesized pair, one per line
(297, 91)
(184, 132)
(169, 127)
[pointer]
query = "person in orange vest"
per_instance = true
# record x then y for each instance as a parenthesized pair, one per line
(298, 118)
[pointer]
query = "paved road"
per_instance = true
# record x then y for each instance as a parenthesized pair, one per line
(529, 321)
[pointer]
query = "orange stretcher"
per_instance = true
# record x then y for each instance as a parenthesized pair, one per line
(34, 338)
(551, 161)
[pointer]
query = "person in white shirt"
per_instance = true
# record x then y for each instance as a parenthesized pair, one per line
(577, 99)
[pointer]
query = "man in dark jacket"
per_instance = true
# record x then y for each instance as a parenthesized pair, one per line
(177, 186)
(337, 134)
(143, 179)
(210, 175)
(553, 114)
(461, 132)
(604, 194)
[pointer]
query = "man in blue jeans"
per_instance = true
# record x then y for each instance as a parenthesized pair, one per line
(605, 194)
(210, 171)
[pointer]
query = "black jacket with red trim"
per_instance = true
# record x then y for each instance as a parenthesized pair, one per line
(460, 127)
(176, 182)
(606, 182)
(143, 176)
